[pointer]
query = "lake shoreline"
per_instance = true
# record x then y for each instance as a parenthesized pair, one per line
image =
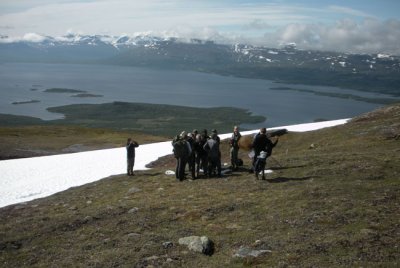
(302, 104)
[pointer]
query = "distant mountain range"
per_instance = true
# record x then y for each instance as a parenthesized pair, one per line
(375, 73)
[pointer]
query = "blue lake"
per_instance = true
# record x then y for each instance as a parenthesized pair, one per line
(23, 82)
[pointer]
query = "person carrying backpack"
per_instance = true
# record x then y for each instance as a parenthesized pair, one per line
(182, 151)
(234, 143)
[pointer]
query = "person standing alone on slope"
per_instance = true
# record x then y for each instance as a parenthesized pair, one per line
(130, 149)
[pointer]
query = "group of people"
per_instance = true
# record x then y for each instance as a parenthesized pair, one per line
(200, 151)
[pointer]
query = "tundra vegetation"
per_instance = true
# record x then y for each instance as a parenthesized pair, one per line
(155, 119)
(331, 201)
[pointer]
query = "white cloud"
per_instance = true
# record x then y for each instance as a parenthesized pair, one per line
(266, 24)
(33, 37)
(367, 36)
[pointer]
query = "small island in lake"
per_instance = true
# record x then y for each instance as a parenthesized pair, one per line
(25, 102)
(63, 90)
(86, 95)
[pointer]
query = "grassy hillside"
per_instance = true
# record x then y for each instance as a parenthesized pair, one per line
(331, 201)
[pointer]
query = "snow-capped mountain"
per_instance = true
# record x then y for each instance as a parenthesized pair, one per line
(240, 52)
(289, 64)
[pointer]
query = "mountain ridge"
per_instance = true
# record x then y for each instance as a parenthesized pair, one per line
(376, 72)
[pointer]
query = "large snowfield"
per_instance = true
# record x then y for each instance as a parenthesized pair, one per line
(26, 179)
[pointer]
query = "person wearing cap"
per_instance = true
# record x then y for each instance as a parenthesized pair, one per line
(262, 143)
(234, 143)
(130, 150)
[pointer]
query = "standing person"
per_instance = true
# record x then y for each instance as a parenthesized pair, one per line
(200, 155)
(214, 155)
(214, 131)
(234, 142)
(182, 150)
(194, 133)
(192, 156)
(204, 157)
(130, 149)
(262, 143)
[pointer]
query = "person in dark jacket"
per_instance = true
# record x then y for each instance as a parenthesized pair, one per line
(262, 143)
(192, 157)
(130, 150)
(214, 155)
(182, 151)
(200, 155)
(204, 156)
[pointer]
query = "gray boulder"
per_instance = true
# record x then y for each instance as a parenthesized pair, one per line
(198, 244)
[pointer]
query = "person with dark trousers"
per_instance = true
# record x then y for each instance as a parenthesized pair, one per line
(192, 156)
(204, 156)
(214, 155)
(234, 143)
(200, 155)
(130, 149)
(262, 143)
(182, 151)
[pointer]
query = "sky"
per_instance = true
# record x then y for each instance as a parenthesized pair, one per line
(354, 26)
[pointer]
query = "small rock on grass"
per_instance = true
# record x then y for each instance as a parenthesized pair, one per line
(133, 210)
(198, 244)
(245, 252)
(133, 190)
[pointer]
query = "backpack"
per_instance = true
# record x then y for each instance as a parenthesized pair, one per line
(180, 148)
